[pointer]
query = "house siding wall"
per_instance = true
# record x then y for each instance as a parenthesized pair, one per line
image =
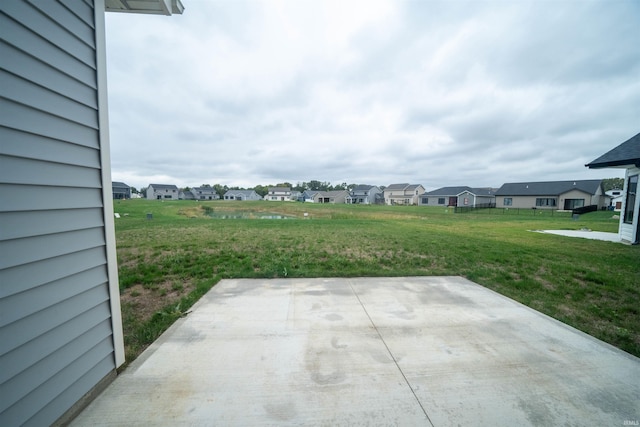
(524, 202)
(433, 200)
(628, 232)
(576, 194)
(471, 199)
(56, 333)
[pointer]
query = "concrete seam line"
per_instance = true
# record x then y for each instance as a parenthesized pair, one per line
(406, 380)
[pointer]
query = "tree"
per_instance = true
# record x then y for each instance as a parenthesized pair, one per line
(262, 190)
(612, 184)
(220, 189)
(300, 186)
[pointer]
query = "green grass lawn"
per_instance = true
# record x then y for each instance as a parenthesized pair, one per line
(168, 262)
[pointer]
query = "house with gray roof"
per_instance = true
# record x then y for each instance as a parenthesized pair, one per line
(120, 190)
(559, 195)
(205, 193)
(241, 195)
(337, 196)
(626, 156)
(364, 195)
(279, 194)
(162, 192)
(308, 195)
(60, 317)
(402, 194)
(459, 196)
(186, 195)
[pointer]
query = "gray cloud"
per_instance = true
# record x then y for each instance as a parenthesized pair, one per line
(438, 93)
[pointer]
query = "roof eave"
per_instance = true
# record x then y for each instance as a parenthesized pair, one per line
(150, 7)
(615, 164)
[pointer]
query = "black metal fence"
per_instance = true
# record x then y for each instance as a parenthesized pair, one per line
(584, 209)
(466, 209)
(513, 211)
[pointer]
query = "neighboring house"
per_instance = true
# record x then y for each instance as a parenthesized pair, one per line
(561, 195)
(616, 199)
(205, 193)
(61, 337)
(402, 194)
(308, 195)
(186, 195)
(296, 196)
(162, 192)
(364, 195)
(339, 196)
(120, 190)
(627, 156)
(459, 196)
(241, 195)
(278, 194)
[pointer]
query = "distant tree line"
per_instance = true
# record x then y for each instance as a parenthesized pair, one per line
(613, 184)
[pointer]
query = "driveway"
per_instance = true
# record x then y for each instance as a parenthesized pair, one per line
(409, 351)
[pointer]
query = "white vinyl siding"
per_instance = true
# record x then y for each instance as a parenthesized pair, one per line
(56, 334)
(629, 231)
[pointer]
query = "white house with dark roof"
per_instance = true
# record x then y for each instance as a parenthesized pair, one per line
(627, 156)
(402, 194)
(616, 199)
(278, 194)
(162, 192)
(364, 195)
(459, 196)
(61, 338)
(559, 195)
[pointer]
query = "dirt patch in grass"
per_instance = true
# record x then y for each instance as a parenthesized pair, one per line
(539, 277)
(146, 301)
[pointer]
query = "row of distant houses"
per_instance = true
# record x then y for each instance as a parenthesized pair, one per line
(561, 195)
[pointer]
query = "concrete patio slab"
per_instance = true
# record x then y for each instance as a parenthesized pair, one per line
(585, 234)
(417, 351)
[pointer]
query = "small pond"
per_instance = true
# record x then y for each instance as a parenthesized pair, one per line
(246, 215)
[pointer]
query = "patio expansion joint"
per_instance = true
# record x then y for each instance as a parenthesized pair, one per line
(390, 353)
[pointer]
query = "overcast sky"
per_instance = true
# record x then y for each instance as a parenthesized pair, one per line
(438, 93)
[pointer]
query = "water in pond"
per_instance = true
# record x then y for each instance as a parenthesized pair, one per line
(246, 215)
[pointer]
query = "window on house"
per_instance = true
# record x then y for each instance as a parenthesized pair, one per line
(508, 201)
(545, 201)
(632, 190)
(425, 200)
(441, 201)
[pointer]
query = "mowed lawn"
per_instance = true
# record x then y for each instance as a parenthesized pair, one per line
(166, 263)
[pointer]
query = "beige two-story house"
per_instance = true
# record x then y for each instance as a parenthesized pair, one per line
(402, 194)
